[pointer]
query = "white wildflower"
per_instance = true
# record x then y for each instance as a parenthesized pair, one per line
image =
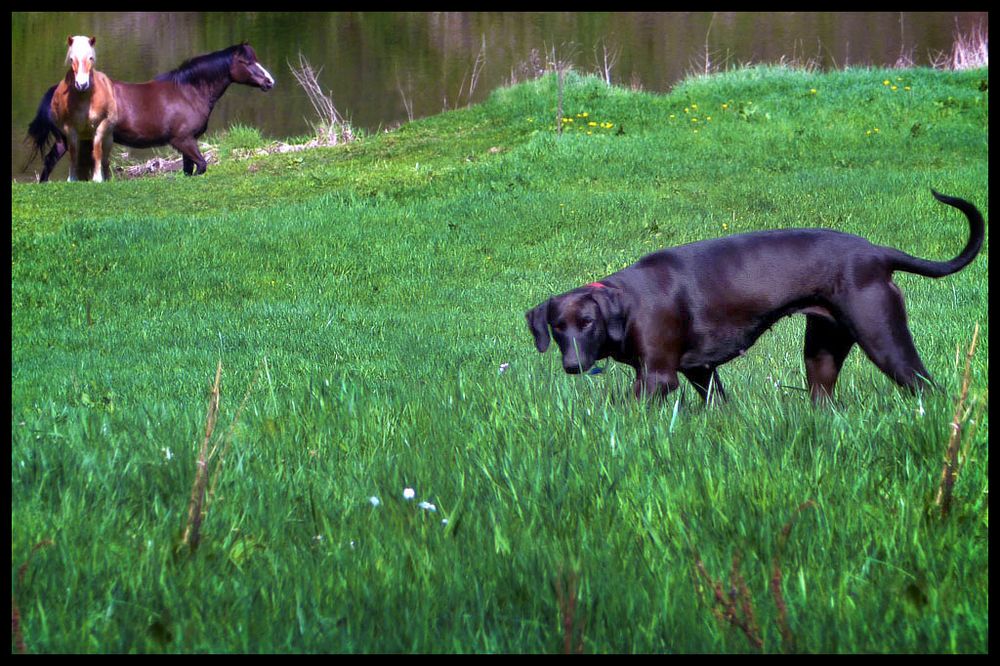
(409, 493)
(374, 500)
(427, 506)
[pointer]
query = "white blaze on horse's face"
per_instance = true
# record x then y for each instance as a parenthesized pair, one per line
(81, 57)
(267, 74)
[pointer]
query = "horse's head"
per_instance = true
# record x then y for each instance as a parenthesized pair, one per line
(246, 70)
(80, 57)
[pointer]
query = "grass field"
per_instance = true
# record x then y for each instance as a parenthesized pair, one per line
(366, 302)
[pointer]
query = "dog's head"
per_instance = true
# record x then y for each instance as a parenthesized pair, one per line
(583, 322)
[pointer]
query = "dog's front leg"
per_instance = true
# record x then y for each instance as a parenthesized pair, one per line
(654, 383)
(707, 383)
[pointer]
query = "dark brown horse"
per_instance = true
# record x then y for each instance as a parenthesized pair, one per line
(171, 109)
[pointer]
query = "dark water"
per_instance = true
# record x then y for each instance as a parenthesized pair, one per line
(382, 68)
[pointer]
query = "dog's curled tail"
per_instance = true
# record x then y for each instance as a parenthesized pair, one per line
(935, 269)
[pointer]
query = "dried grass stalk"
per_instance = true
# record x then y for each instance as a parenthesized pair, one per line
(192, 532)
(331, 128)
(951, 459)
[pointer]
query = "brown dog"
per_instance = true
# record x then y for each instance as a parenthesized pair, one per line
(691, 308)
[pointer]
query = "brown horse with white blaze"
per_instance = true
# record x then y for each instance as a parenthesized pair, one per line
(172, 109)
(83, 107)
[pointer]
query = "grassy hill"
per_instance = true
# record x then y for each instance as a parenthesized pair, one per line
(366, 304)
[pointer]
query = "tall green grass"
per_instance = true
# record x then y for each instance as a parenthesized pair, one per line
(376, 290)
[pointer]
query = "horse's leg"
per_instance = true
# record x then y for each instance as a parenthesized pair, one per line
(85, 160)
(103, 141)
(72, 142)
(55, 154)
(193, 160)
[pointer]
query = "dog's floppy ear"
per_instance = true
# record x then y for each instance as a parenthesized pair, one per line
(609, 302)
(538, 321)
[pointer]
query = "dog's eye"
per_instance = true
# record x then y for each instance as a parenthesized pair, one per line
(586, 323)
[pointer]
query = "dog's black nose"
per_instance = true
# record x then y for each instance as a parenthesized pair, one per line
(573, 369)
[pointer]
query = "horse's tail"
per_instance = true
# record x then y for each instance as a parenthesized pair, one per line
(42, 129)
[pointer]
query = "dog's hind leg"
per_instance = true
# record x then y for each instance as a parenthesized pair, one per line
(878, 319)
(827, 344)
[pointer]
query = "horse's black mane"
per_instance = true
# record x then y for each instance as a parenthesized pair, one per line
(204, 67)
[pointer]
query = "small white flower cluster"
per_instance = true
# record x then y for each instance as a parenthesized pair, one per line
(409, 494)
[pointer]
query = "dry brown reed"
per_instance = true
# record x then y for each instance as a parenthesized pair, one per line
(192, 532)
(567, 597)
(732, 604)
(952, 458)
(968, 51)
(331, 128)
(203, 489)
(477, 69)
(16, 629)
(787, 637)
(606, 61)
